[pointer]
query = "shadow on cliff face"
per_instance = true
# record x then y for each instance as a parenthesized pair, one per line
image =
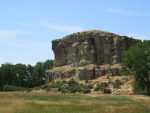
(89, 55)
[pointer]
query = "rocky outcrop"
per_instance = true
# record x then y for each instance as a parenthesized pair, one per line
(102, 49)
(90, 47)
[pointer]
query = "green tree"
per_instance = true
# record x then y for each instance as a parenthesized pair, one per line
(29, 75)
(21, 75)
(48, 64)
(7, 74)
(137, 61)
(38, 76)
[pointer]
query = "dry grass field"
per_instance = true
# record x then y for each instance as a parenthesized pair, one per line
(24, 102)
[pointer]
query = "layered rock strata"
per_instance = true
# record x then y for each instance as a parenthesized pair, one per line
(99, 48)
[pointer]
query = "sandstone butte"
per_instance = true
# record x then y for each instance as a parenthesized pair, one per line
(89, 55)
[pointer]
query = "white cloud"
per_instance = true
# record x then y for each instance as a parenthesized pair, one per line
(123, 12)
(63, 28)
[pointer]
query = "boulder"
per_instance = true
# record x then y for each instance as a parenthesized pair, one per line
(85, 73)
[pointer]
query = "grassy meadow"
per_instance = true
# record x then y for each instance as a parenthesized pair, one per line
(24, 102)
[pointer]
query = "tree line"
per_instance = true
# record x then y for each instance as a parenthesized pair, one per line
(22, 75)
(136, 61)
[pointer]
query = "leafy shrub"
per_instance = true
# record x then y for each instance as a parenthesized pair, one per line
(64, 81)
(55, 85)
(45, 86)
(117, 83)
(89, 86)
(64, 89)
(12, 88)
(103, 86)
(70, 86)
(107, 91)
(76, 88)
(97, 87)
(86, 90)
(72, 82)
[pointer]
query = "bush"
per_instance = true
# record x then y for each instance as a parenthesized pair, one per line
(64, 82)
(97, 87)
(89, 86)
(12, 88)
(70, 86)
(44, 86)
(103, 86)
(107, 90)
(55, 85)
(74, 89)
(72, 82)
(117, 84)
(86, 90)
(64, 89)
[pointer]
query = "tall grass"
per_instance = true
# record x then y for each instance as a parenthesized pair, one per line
(21, 102)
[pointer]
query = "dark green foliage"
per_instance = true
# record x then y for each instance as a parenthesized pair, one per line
(64, 89)
(107, 91)
(137, 62)
(7, 75)
(87, 90)
(12, 88)
(21, 75)
(76, 88)
(70, 86)
(88, 86)
(72, 82)
(117, 83)
(102, 87)
(55, 84)
(38, 74)
(48, 64)
(97, 87)
(64, 81)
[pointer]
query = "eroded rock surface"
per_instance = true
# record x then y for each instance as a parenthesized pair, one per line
(90, 47)
(102, 49)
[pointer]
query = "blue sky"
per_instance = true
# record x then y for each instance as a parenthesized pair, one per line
(27, 27)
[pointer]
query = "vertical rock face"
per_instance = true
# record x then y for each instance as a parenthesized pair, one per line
(90, 47)
(89, 55)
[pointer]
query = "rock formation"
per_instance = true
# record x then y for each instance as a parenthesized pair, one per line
(89, 54)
